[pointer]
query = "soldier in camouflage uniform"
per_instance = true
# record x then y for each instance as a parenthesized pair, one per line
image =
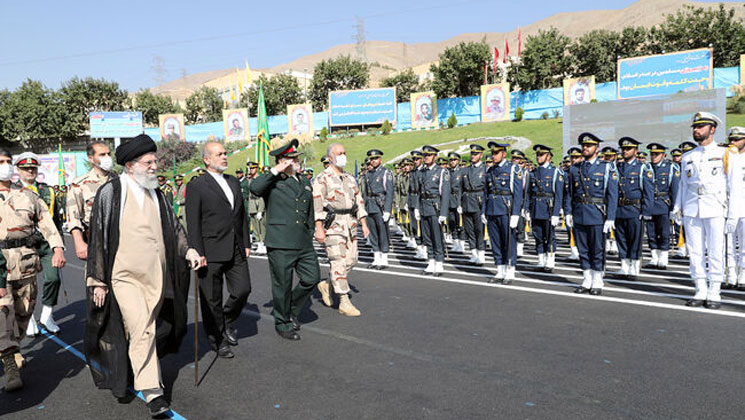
(338, 206)
(28, 168)
(24, 222)
(83, 191)
(255, 208)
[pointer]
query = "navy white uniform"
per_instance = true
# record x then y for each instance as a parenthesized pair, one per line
(593, 188)
(378, 198)
(473, 182)
(434, 201)
(735, 227)
(545, 194)
(635, 201)
(502, 202)
(666, 182)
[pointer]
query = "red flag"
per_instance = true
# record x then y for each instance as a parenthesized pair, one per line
(519, 42)
(506, 50)
(496, 59)
(486, 66)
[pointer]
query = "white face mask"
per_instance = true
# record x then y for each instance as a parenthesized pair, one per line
(106, 163)
(341, 161)
(6, 171)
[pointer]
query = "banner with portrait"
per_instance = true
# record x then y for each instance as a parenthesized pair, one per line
(742, 70)
(300, 121)
(579, 90)
(423, 110)
(495, 102)
(235, 124)
(171, 127)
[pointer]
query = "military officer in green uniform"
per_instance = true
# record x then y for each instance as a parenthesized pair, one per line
(179, 200)
(28, 164)
(164, 186)
(289, 237)
(255, 208)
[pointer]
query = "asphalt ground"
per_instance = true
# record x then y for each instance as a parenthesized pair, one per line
(453, 347)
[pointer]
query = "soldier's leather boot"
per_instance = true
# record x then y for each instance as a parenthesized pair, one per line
(323, 287)
(346, 307)
(13, 380)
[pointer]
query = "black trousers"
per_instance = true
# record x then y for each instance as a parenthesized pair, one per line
(432, 235)
(378, 232)
(456, 230)
(474, 228)
(216, 316)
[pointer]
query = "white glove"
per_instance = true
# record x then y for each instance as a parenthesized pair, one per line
(527, 216)
(554, 220)
(676, 216)
(608, 226)
(259, 216)
(513, 221)
(406, 208)
(460, 210)
(731, 226)
(417, 216)
(643, 217)
(386, 216)
(483, 218)
(441, 219)
(569, 221)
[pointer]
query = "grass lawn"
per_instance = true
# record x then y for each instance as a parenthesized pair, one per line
(548, 132)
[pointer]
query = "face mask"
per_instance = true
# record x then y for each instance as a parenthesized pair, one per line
(341, 161)
(106, 163)
(6, 171)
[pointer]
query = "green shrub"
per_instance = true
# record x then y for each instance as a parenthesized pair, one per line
(386, 127)
(556, 113)
(324, 134)
(544, 116)
(519, 112)
(452, 121)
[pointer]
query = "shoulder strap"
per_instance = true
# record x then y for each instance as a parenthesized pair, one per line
(605, 178)
(442, 175)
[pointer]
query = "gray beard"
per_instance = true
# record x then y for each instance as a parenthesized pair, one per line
(145, 180)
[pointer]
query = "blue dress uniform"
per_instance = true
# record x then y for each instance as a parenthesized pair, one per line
(518, 157)
(378, 204)
(412, 202)
(545, 194)
(635, 201)
(473, 181)
(455, 228)
(593, 188)
(574, 154)
(502, 202)
(434, 201)
(666, 181)
(610, 154)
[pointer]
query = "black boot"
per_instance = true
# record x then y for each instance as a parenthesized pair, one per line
(13, 380)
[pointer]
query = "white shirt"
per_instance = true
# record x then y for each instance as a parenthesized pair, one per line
(703, 182)
(223, 183)
(736, 185)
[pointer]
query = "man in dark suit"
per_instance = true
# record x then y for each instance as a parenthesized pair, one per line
(289, 237)
(217, 228)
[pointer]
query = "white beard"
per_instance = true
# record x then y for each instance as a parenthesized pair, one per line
(149, 181)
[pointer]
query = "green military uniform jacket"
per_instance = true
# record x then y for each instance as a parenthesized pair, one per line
(402, 188)
(289, 210)
(253, 203)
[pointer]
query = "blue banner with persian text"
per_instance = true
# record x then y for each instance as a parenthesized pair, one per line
(362, 107)
(665, 74)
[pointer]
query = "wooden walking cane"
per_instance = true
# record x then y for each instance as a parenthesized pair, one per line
(196, 329)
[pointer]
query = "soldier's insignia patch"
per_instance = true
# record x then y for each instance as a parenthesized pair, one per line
(561, 178)
(677, 173)
(614, 175)
(649, 174)
(519, 175)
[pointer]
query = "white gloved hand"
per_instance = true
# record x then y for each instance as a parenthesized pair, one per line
(514, 220)
(259, 216)
(731, 226)
(460, 210)
(527, 216)
(608, 226)
(677, 216)
(386, 216)
(643, 217)
(406, 208)
(569, 221)
(554, 221)
(483, 218)
(417, 216)
(441, 219)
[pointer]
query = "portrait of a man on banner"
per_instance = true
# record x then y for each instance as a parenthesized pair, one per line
(423, 110)
(300, 120)
(579, 90)
(172, 127)
(495, 103)
(235, 123)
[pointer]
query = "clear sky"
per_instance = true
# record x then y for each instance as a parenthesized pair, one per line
(53, 40)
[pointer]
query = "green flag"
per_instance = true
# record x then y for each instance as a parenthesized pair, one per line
(61, 177)
(262, 139)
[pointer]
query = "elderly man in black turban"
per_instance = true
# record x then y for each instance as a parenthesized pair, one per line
(137, 277)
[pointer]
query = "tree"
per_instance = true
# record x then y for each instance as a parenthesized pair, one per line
(698, 27)
(633, 42)
(170, 150)
(545, 61)
(341, 73)
(32, 115)
(594, 53)
(405, 82)
(279, 91)
(460, 70)
(203, 106)
(82, 96)
(152, 105)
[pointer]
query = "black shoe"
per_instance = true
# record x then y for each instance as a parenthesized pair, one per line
(126, 399)
(741, 287)
(596, 291)
(710, 304)
(548, 270)
(728, 286)
(492, 280)
(581, 290)
(158, 407)
(437, 274)
(650, 266)
(372, 266)
(695, 303)
(224, 352)
(289, 335)
(231, 336)
(506, 282)
(295, 323)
